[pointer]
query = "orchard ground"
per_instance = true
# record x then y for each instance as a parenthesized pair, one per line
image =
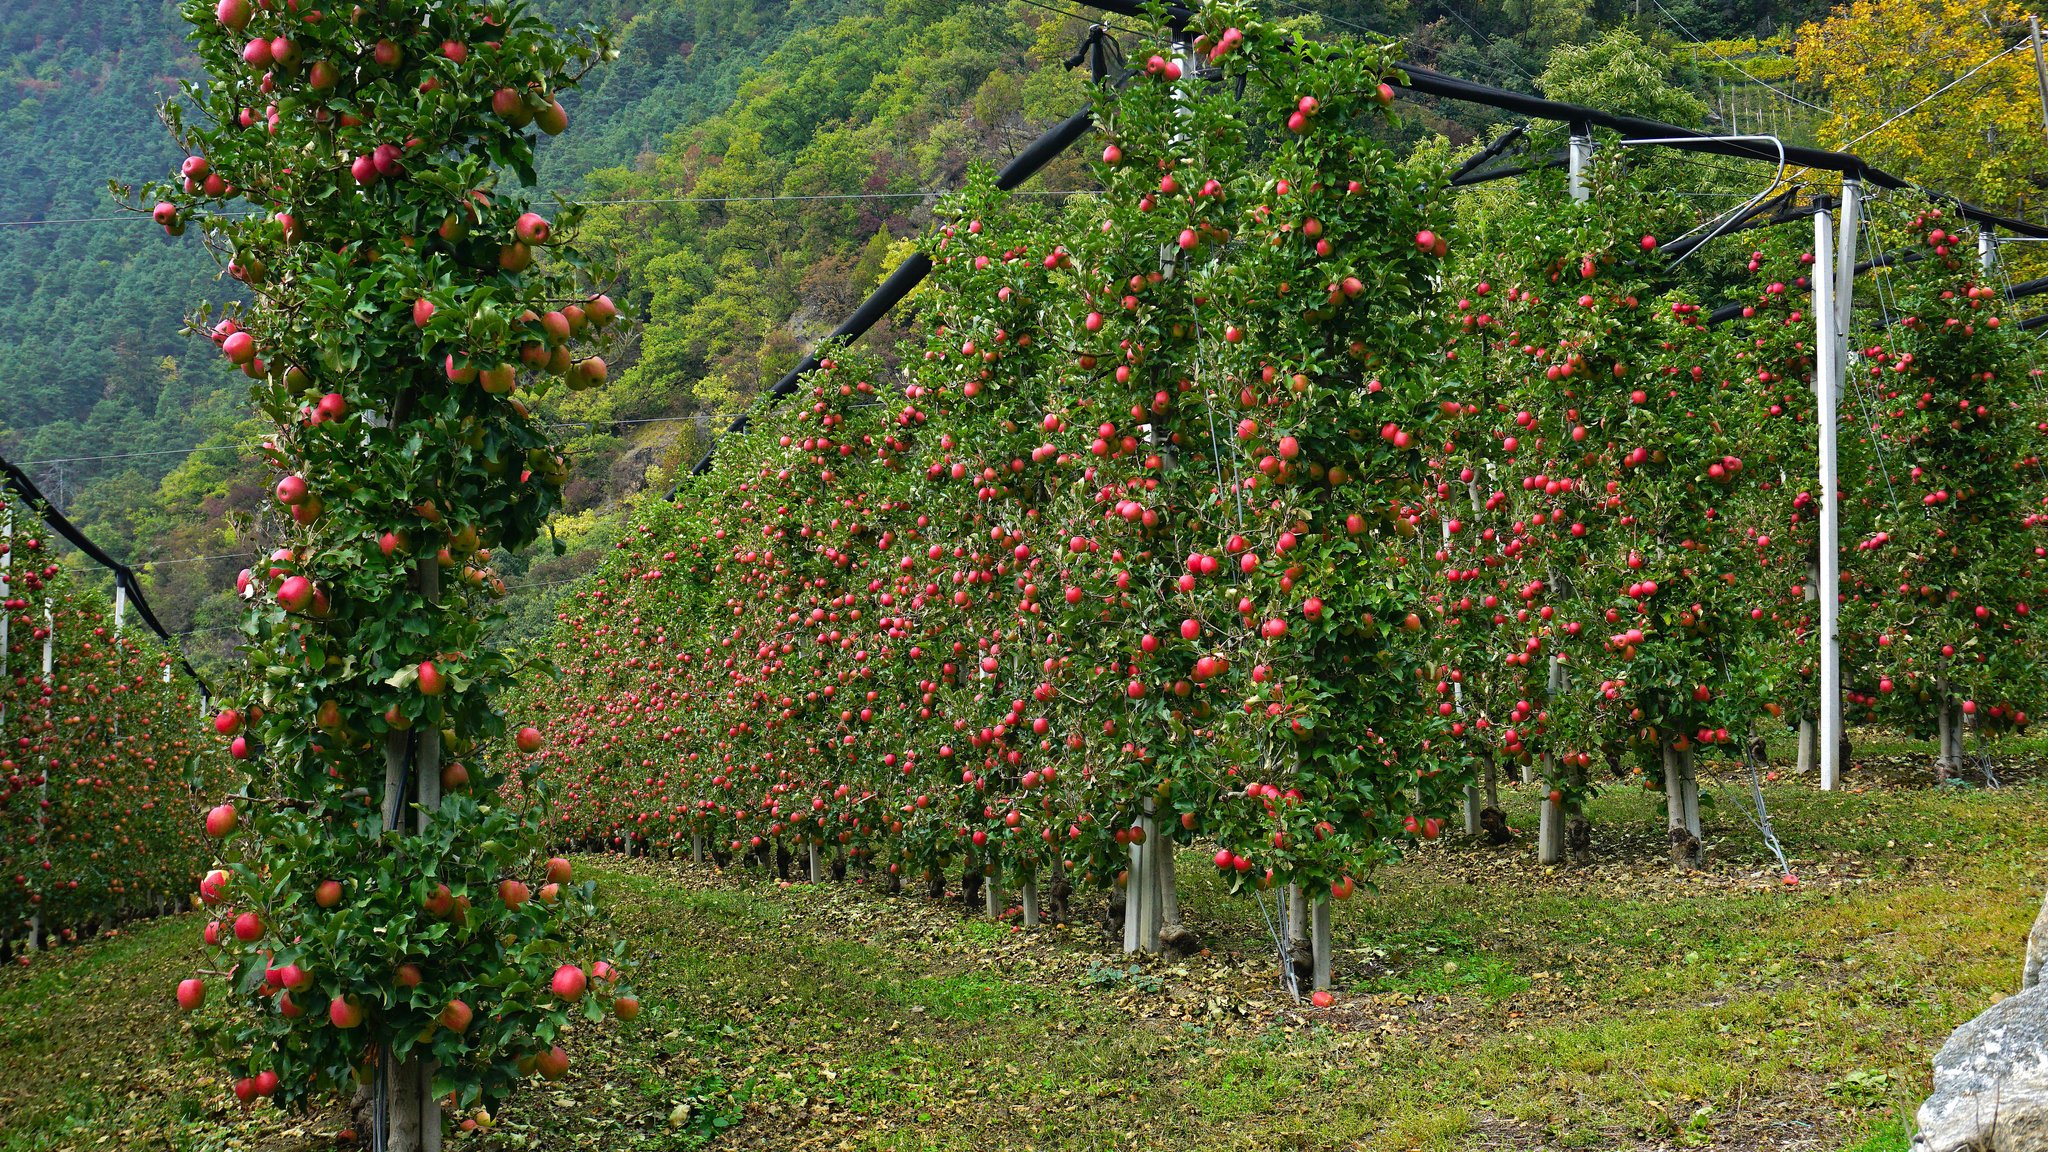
(1487, 1003)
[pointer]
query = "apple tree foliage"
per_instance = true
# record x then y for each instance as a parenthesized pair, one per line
(365, 170)
(1946, 499)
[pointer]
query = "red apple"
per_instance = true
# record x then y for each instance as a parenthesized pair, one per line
(511, 107)
(456, 1017)
(295, 594)
(191, 993)
(569, 983)
(345, 1012)
(220, 821)
(532, 228)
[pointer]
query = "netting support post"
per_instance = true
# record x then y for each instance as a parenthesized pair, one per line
(1827, 382)
(35, 924)
(1579, 157)
(1320, 939)
(993, 902)
(1549, 819)
(1142, 912)
(1471, 809)
(6, 591)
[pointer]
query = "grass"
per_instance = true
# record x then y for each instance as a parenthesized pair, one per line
(1486, 1003)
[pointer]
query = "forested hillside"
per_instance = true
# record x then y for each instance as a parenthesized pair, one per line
(764, 162)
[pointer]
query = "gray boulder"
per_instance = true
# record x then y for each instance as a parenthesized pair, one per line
(1991, 1082)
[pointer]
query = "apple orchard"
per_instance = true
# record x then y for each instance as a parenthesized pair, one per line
(1272, 502)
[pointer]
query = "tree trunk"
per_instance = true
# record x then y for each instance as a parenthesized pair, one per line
(1174, 936)
(1681, 808)
(1578, 829)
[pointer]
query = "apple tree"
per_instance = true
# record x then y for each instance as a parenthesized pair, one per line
(383, 911)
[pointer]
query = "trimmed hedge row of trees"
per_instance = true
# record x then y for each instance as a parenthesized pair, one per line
(104, 762)
(1268, 499)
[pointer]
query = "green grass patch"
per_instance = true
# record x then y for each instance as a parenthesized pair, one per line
(1485, 1002)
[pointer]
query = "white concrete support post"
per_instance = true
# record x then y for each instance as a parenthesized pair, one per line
(1472, 806)
(1320, 940)
(35, 926)
(1827, 382)
(1549, 818)
(1987, 248)
(1142, 912)
(6, 592)
(817, 866)
(696, 847)
(1027, 895)
(993, 901)
(1579, 157)
(428, 769)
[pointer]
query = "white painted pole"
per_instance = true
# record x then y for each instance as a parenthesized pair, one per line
(1826, 381)
(6, 592)
(1320, 939)
(1579, 157)
(35, 928)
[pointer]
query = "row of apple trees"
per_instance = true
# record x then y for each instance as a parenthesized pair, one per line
(1272, 498)
(103, 759)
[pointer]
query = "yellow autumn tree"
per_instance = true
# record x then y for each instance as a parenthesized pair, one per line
(1982, 140)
